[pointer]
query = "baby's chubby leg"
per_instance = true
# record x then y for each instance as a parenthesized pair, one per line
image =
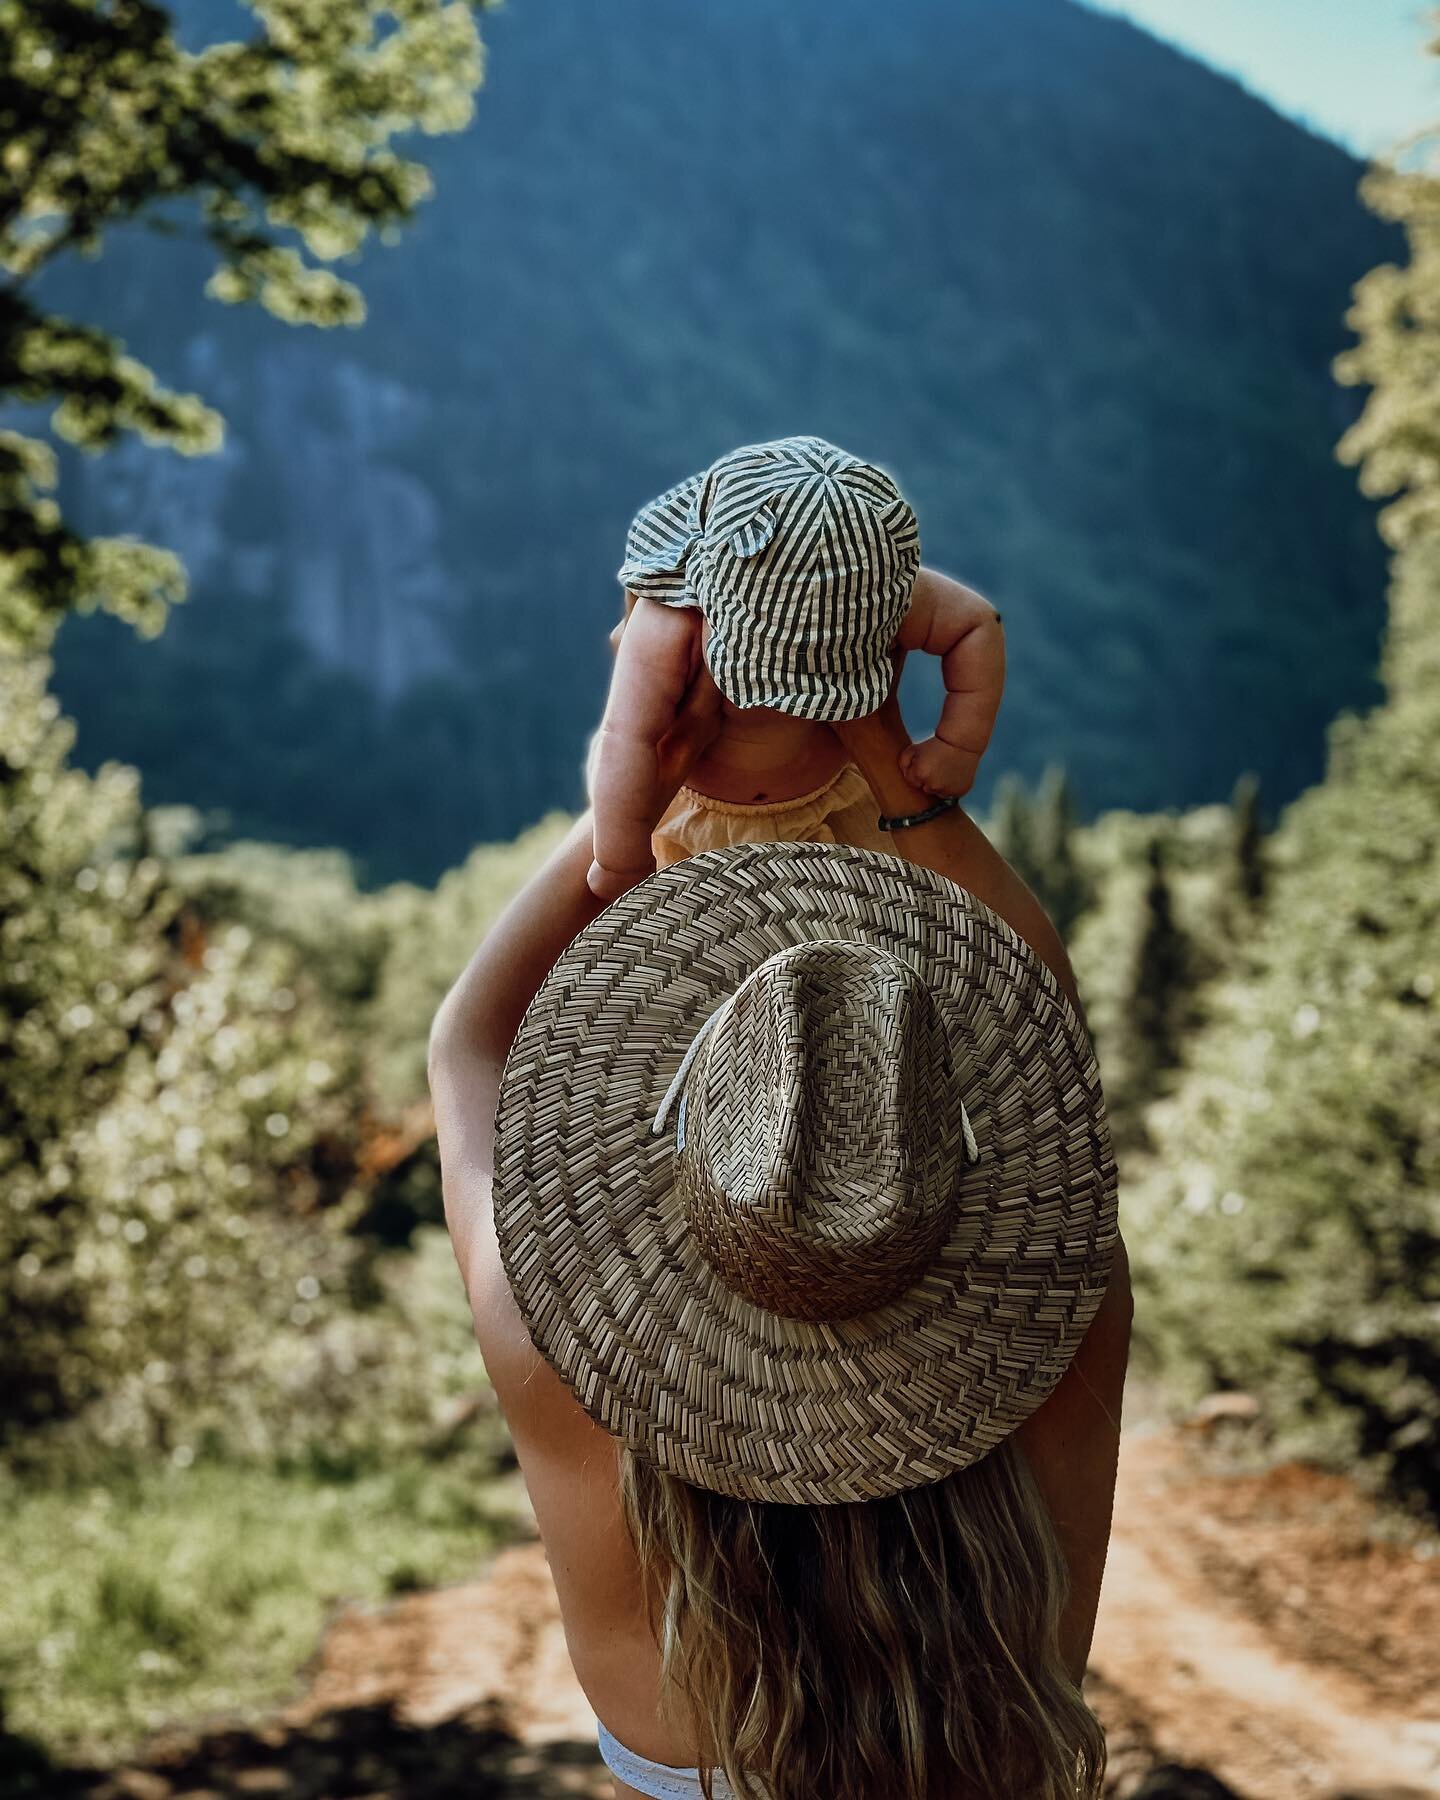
(655, 662)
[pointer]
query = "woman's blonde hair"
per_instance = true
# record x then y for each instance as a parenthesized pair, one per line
(908, 1646)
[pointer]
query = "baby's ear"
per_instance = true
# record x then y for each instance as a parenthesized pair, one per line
(752, 537)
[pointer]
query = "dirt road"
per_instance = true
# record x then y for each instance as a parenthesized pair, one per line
(1259, 1636)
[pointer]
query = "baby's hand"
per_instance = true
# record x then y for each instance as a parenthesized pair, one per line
(941, 769)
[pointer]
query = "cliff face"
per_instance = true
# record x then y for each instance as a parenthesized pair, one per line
(1078, 293)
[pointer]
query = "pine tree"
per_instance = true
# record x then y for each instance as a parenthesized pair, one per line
(1063, 887)
(1011, 824)
(1160, 979)
(1248, 874)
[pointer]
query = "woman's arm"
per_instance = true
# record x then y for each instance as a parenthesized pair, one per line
(476, 1025)
(478, 1019)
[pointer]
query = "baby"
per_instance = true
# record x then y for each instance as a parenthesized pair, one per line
(793, 569)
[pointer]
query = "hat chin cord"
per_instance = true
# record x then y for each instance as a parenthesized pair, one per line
(677, 1081)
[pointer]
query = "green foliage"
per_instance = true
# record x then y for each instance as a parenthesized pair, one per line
(1052, 841)
(1396, 440)
(179, 1113)
(1289, 1229)
(1247, 837)
(1148, 949)
(276, 150)
(155, 1080)
(309, 900)
(1162, 972)
(431, 945)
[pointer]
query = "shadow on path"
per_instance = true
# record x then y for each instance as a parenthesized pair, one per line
(354, 1753)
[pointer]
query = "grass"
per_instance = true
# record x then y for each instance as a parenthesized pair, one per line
(174, 1595)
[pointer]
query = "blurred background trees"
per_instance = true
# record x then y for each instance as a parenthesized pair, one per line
(1026, 257)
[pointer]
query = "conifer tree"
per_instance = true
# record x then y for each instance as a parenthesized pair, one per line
(1010, 824)
(1063, 886)
(1160, 978)
(1247, 843)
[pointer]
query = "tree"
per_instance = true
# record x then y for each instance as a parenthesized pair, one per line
(1288, 1235)
(1161, 971)
(1063, 885)
(1036, 835)
(1011, 824)
(1396, 440)
(154, 1077)
(173, 1239)
(276, 150)
(1248, 875)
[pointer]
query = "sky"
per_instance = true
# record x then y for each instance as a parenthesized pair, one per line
(1352, 69)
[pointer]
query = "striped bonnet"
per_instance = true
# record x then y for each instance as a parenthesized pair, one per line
(801, 558)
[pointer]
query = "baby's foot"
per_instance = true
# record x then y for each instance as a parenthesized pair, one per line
(939, 768)
(610, 884)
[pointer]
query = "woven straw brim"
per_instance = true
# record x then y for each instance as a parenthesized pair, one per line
(614, 1289)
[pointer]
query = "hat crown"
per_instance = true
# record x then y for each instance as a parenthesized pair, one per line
(823, 1140)
(800, 487)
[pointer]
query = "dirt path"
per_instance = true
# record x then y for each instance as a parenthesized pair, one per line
(1213, 1685)
(1259, 1638)
(1186, 1673)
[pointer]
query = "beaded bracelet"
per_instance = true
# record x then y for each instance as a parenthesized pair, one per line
(900, 823)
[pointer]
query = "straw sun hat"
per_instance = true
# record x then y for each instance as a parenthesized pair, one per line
(803, 1181)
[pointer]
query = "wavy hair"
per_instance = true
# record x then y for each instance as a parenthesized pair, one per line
(908, 1646)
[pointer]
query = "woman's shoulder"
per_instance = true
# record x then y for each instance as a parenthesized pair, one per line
(539, 1409)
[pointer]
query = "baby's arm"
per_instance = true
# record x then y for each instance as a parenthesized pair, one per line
(951, 621)
(655, 662)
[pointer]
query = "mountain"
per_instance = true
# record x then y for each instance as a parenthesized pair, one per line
(1077, 292)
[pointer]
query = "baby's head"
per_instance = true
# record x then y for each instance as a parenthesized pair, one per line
(801, 558)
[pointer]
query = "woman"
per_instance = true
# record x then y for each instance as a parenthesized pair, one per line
(927, 1642)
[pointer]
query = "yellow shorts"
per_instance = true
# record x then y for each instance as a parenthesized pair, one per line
(843, 811)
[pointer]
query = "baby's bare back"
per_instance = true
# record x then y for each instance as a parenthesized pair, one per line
(761, 755)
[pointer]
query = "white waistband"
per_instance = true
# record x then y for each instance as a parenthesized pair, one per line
(659, 1780)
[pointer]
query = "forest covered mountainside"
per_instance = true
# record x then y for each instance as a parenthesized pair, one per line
(1078, 293)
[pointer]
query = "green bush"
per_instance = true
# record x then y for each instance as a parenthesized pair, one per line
(179, 1117)
(1287, 1234)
